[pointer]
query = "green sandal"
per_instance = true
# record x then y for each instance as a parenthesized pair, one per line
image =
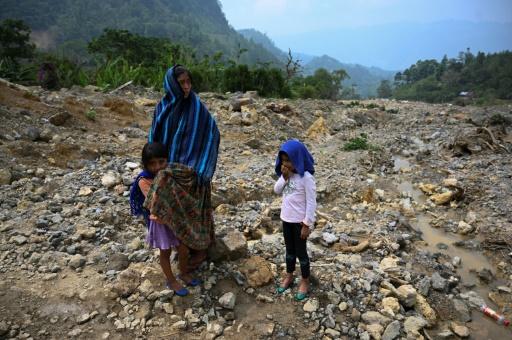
(281, 290)
(301, 296)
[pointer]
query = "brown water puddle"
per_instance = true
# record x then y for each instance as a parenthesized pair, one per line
(471, 260)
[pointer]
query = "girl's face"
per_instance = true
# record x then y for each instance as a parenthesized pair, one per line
(185, 83)
(156, 164)
(285, 161)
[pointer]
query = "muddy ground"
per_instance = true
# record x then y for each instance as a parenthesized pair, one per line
(413, 233)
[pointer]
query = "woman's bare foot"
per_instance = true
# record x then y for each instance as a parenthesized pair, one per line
(304, 286)
(186, 277)
(174, 285)
(287, 281)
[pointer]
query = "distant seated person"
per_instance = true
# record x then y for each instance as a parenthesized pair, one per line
(48, 77)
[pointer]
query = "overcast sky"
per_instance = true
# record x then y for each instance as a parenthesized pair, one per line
(284, 17)
(391, 34)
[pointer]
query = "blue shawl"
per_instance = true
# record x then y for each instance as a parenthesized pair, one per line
(187, 129)
(299, 155)
(137, 197)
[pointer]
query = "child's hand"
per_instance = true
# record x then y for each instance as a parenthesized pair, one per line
(285, 172)
(156, 219)
(304, 231)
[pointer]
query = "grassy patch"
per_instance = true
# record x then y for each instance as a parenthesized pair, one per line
(359, 143)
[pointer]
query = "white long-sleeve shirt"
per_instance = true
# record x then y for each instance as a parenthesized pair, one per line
(299, 199)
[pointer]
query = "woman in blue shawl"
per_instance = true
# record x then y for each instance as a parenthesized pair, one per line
(181, 194)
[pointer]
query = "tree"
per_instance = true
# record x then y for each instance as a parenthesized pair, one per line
(384, 90)
(15, 40)
(292, 67)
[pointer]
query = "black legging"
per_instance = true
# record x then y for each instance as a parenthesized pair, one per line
(295, 247)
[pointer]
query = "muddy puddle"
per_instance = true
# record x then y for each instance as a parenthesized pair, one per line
(471, 260)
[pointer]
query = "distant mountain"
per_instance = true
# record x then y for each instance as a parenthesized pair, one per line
(70, 24)
(365, 79)
(262, 39)
(397, 46)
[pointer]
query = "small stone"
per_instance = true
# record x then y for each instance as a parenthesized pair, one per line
(407, 295)
(462, 311)
(77, 261)
(438, 282)
(391, 304)
(180, 325)
(465, 228)
(332, 333)
(424, 308)
(375, 331)
(60, 118)
(373, 317)
(83, 318)
(118, 262)
(392, 331)
(146, 288)
(311, 305)
(168, 308)
(228, 300)
(5, 177)
(355, 315)
(414, 324)
(343, 306)
(110, 179)
(459, 330)
(4, 328)
(445, 334)
(19, 240)
(85, 191)
(75, 332)
(264, 298)
(257, 271)
(214, 328)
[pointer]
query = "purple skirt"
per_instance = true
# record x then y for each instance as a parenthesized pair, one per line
(161, 236)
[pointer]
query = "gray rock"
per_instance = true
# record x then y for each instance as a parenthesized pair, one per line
(19, 240)
(4, 328)
(355, 315)
(118, 262)
(5, 177)
(473, 298)
(413, 324)
(77, 261)
(423, 286)
(228, 300)
(392, 331)
(372, 317)
(32, 133)
(438, 282)
(485, 275)
(231, 246)
(311, 306)
(329, 238)
(462, 310)
(60, 118)
(83, 318)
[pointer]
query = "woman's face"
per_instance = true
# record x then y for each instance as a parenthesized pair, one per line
(185, 83)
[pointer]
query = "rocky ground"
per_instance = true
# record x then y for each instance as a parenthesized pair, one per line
(413, 234)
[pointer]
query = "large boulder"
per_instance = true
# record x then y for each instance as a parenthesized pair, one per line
(257, 271)
(231, 246)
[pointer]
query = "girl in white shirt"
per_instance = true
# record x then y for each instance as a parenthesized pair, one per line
(295, 168)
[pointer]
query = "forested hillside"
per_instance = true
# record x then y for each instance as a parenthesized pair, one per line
(68, 25)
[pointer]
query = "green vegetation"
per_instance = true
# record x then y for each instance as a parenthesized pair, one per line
(359, 143)
(69, 25)
(119, 56)
(91, 114)
(484, 78)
